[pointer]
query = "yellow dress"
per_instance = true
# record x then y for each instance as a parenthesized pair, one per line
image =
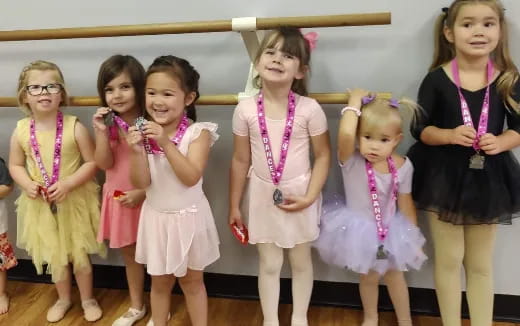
(70, 235)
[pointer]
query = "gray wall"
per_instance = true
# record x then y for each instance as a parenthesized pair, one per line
(390, 58)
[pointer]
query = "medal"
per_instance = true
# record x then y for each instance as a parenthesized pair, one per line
(381, 253)
(108, 118)
(277, 197)
(477, 160)
(276, 171)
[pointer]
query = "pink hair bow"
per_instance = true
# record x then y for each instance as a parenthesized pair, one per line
(312, 39)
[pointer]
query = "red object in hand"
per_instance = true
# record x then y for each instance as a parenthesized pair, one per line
(241, 234)
(118, 194)
(44, 193)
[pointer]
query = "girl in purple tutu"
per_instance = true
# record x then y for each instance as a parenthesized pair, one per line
(375, 234)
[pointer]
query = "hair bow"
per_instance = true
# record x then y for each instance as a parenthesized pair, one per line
(393, 102)
(312, 39)
(367, 99)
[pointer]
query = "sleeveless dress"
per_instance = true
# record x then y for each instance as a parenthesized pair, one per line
(70, 235)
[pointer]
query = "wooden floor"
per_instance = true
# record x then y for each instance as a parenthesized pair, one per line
(30, 301)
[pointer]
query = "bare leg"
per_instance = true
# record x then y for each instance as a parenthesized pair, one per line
(194, 290)
(160, 298)
(135, 277)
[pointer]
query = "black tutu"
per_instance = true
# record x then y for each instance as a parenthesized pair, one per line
(444, 183)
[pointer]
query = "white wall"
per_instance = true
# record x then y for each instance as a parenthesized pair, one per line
(390, 58)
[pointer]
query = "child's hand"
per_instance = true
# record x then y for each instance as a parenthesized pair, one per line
(295, 203)
(59, 190)
(355, 96)
(32, 189)
(463, 135)
(235, 216)
(97, 119)
(132, 198)
(134, 138)
(490, 144)
(156, 132)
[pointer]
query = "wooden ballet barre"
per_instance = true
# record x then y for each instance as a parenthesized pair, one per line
(194, 27)
(222, 99)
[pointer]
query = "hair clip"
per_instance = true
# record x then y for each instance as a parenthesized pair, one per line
(393, 102)
(445, 10)
(367, 99)
(312, 39)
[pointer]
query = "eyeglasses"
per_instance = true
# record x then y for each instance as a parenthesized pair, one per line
(35, 90)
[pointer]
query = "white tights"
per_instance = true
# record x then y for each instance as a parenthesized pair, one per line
(271, 261)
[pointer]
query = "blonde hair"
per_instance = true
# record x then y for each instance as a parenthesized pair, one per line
(24, 78)
(294, 44)
(382, 111)
(445, 51)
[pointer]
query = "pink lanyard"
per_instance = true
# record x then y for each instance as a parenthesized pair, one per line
(57, 151)
(276, 171)
(382, 230)
(466, 115)
(151, 146)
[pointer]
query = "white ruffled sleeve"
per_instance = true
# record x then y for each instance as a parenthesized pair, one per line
(197, 128)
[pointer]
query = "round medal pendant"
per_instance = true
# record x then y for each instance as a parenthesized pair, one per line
(277, 197)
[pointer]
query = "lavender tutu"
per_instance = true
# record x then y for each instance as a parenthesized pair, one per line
(349, 240)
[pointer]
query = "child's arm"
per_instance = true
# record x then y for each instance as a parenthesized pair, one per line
(462, 135)
(506, 141)
(237, 176)
(85, 173)
(407, 207)
(103, 153)
(5, 190)
(321, 150)
(140, 170)
(347, 132)
(17, 168)
(190, 168)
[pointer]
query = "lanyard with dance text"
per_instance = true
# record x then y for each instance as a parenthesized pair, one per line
(477, 160)
(48, 181)
(152, 147)
(276, 171)
(382, 229)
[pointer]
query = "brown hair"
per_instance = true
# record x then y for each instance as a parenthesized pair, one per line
(116, 65)
(294, 44)
(184, 72)
(445, 51)
(24, 77)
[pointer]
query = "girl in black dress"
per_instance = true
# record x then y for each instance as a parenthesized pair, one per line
(466, 178)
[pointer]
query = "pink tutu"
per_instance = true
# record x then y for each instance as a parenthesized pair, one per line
(349, 240)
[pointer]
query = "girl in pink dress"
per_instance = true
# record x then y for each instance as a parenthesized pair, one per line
(177, 237)
(121, 90)
(274, 131)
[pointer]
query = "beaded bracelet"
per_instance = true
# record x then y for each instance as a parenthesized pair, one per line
(351, 108)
